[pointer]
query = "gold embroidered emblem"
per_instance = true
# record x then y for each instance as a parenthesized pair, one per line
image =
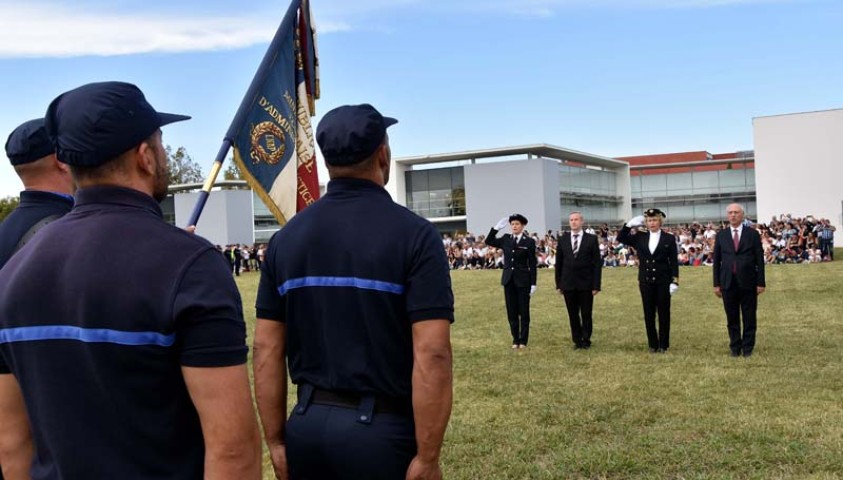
(268, 143)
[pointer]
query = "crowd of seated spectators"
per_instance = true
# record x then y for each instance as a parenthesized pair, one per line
(786, 239)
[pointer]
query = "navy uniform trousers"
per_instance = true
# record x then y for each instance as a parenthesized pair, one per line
(334, 442)
(518, 312)
(656, 300)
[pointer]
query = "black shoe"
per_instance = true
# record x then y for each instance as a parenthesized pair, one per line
(747, 354)
(662, 350)
(735, 353)
(586, 346)
(653, 350)
(577, 346)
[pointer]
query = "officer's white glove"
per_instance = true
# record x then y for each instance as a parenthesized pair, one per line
(636, 221)
(532, 290)
(502, 223)
(673, 288)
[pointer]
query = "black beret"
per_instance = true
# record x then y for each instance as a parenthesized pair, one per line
(351, 134)
(517, 216)
(97, 122)
(28, 143)
(654, 212)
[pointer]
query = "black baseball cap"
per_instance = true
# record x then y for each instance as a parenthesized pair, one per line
(28, 143)
(352, 133)
(97, 122)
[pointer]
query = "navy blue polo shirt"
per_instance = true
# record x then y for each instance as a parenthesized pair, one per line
(98, 314)
(34, 206)
(349, 275)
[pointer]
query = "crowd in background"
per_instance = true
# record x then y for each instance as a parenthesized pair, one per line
(785, 239)
(243, 257)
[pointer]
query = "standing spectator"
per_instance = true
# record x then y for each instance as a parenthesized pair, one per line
(826, 230)
(364, 325)
(519, 275)
(658, 274)
(739, 279)
(124, 334)
(578, 275)
(48, 186)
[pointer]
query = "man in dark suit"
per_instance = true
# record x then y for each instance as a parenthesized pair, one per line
(739, 279)
(519, 274)
(658, 274)
(578, 273)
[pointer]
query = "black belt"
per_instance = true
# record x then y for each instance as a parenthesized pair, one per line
(353, 400)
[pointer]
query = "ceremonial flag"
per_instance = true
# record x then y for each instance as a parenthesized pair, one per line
(271, 133)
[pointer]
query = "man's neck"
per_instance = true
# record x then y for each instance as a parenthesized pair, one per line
(736, 227)
(576, 232)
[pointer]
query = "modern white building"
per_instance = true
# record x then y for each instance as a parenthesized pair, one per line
(799, 165)
(471, 191)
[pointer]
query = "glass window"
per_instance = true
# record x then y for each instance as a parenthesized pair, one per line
(439, 179)
(654, 184)
(705, 182)
(732, 179)
(419, 180)
(635, 185)
(680, 184)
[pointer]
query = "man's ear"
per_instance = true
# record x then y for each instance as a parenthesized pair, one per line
(145, 157)
(62, 167)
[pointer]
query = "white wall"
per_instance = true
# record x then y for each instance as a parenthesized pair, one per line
(799, 165)
(228, 216)
(528, 187)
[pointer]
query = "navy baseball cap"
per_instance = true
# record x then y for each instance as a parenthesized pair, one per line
(97, 122)
(351, 134)
(28, 143)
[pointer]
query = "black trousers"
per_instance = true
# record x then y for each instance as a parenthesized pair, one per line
(325, 442)
(739, 302)
(579, 304)
(656, 299)
(518, 312)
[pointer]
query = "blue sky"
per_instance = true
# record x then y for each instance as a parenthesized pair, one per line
(611, 77)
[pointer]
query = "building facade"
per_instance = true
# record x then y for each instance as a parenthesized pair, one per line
(470, 191)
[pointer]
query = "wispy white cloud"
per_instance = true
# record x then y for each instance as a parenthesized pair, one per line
(548, 8)
(55, 28)
(42, 29)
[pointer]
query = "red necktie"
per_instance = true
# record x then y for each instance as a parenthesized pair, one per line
(735, 240)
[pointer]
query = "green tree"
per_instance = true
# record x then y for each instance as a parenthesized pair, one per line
(232, 172)
(182, 167)
(7, 205)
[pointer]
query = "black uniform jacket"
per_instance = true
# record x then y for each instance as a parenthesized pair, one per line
(519, 260)
(659, 267)
(581, 271)
(747, 262)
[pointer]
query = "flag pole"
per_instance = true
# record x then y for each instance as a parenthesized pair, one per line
(248, 99)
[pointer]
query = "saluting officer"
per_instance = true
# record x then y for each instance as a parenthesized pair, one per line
(363, 322)
(658, 273)
(520, 271)
(123, 334)
(48, 186)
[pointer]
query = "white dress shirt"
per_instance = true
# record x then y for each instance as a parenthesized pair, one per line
(654, 240)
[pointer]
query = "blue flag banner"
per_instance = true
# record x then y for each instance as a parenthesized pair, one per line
(271, 130)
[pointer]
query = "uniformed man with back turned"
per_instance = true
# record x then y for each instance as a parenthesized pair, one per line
(355, 297)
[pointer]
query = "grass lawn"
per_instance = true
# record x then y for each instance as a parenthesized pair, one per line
(617, 411)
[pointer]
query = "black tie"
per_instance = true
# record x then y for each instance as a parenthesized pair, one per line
(576, 243)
